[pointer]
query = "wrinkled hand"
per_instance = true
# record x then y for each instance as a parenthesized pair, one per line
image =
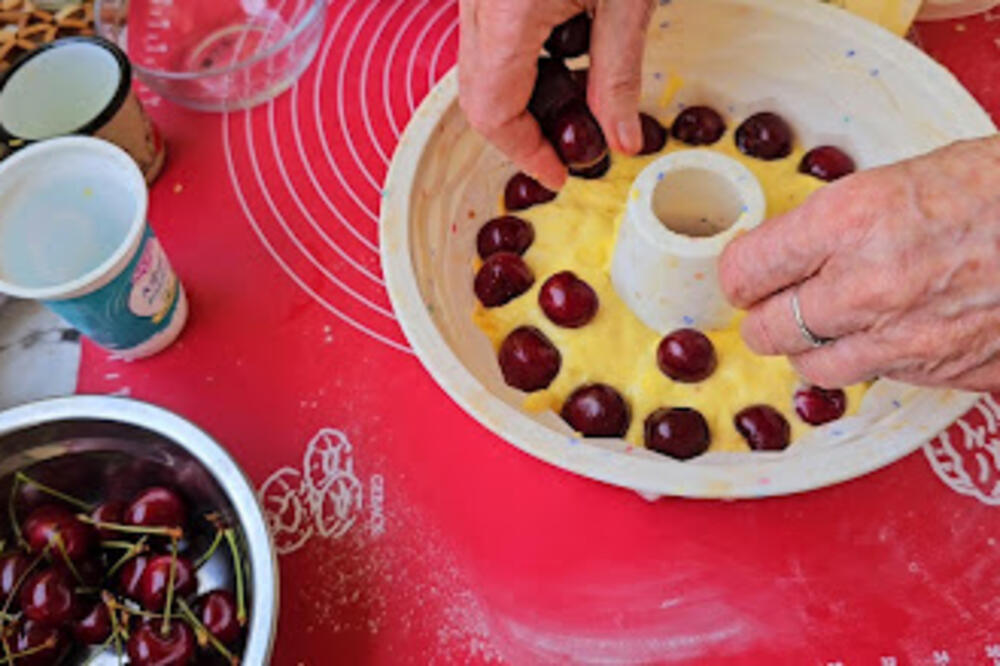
(500, 44)
(901, 265)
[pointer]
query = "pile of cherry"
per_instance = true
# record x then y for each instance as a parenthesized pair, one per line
(530, 362)
(116, 576)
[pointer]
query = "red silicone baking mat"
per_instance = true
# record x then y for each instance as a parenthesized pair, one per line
(409, 534)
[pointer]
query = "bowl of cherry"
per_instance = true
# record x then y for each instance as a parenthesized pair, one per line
(129, 537)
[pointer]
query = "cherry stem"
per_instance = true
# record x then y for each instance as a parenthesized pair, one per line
(171, 578)
(61, 547)
(112, 605)
(86, 590)
(20, 581)
(172, 532)
(130, 554)
(241, 604)
(205, 634)
(211, 550)
(12, 512)
(47, 645)
(142, 613)
(122, 545)
(58, 494)
(100, 650)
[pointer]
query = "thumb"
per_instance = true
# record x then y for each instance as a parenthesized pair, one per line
(617, 43)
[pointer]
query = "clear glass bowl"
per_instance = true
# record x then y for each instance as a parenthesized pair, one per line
(215, 55)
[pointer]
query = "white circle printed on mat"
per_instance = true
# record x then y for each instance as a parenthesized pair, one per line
(837, 78)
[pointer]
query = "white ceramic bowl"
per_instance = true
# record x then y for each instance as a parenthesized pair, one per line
(837, 79)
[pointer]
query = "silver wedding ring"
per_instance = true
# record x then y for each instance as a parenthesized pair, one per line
(814, 340)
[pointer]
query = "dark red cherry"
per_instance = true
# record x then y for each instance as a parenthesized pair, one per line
(686, 355)
(150, 646)
(90, 570)
(504, 234)
(567, 300)
(47, 522)
(827, 163)
(654, 135)
(764, 428)
(817, 406)
(678, 432)
(503, 277)
(46, 644)
(154, 581)
(580, 76)
(13, 566)
(570, 39)
(217, 611)
(765, 136)
(94, 627)
(698, 126)
(555, 89)
(597, 410)
(594, 172)
(156, 507)
(528, 360)
(111, 511)
(523, 191)
(130, 576)
(578, 138)
(48, 597)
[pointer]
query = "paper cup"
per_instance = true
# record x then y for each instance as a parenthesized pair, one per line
(73, 234)
(78, 85)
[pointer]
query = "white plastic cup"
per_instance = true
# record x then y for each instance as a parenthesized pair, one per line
(73, 234)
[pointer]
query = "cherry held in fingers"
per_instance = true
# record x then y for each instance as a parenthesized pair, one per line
(571, 38)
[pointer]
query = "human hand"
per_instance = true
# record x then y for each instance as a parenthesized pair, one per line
(499, 47)
(899, 265)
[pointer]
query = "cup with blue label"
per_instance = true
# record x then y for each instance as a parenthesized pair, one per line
(74, 235)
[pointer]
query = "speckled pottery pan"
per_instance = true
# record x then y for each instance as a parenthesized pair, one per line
(837, 78)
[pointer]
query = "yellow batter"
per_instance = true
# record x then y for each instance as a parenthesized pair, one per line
(576, 232)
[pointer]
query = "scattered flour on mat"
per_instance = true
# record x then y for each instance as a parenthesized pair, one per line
(407, 583)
